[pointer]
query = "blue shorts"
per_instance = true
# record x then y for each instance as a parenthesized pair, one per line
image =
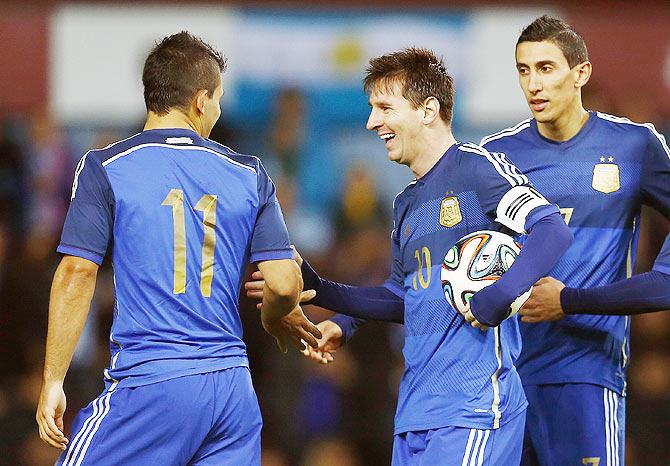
(461, 446)
(574, 424)
(197, 420)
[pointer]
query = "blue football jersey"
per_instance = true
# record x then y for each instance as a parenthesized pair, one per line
(599, 179)
(456, 375)
(183, 215)
(662, 263)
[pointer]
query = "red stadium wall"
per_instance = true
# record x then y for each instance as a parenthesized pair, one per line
(23, 60)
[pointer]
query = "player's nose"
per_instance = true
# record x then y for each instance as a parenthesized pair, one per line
(373, 121)
(534, 82)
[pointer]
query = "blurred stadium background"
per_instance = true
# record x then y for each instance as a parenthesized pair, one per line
(70, 79)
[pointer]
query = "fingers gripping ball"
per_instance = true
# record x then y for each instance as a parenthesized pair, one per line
(477, 260)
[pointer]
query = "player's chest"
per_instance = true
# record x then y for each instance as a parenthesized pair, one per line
(429, 226)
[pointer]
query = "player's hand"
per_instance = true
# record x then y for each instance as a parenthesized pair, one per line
(470, 317)
(544, 303)
(293, 329)
(330, 341)
(50, 410)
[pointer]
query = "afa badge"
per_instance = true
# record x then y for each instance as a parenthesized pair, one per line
(606, 177)
(450, 212)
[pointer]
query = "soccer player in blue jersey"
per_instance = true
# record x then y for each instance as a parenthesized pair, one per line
(599, 169)
(460, 398)
(181, 216)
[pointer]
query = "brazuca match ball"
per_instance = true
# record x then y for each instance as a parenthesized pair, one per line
(477, 260)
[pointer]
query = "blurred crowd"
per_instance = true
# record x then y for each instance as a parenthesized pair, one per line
(335, 415)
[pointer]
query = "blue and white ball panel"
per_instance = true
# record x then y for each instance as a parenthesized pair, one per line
(199, 420)
(591, 431)
(460, 446)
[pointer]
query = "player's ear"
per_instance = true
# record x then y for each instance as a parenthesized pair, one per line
(582, 73)
(431, 110)
(200, 100)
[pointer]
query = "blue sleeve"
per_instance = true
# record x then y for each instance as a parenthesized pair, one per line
(270, 239)
(363, 302)
(90, 218)
(655, 182)
(348, 324)
(662, 263)
(549, 238)
(640, 294)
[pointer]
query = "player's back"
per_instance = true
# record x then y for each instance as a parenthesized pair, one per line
(599, 178)
(184, 212)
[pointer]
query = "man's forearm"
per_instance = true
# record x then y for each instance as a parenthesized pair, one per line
(649, 292)
(71, 293)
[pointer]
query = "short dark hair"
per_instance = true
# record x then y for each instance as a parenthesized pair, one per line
(176, 69)
(560, 33)
(421, 75)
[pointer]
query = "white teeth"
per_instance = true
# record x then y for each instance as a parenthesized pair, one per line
(387, 136)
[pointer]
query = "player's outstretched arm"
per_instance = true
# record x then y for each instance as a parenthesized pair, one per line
(640, 294)
(360, 302)
(281, 315)
(71, 293)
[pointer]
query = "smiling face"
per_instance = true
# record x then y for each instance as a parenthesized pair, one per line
(396, 121)
(551, 87)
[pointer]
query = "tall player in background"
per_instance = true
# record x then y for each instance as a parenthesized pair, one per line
(599, 169)
(460, 398)
(183, 216)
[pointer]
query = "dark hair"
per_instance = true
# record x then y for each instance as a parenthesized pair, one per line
(421, 75)
(560, 33)
(176, 69)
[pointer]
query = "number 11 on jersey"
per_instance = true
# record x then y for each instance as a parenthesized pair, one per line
(206, 204)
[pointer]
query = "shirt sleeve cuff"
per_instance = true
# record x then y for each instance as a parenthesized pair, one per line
(78, 252)
(272, 255)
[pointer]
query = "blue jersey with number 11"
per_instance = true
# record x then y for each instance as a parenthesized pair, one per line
(184, 216)
(599, 179)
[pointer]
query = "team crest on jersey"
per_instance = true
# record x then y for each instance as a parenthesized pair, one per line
(606, 177)
(450, 212)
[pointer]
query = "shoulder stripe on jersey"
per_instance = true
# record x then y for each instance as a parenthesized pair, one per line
(499, 163)
(509, 168)
(77, 171)
(649, 126)
(118, 142)
(168, 146)
(511, 131)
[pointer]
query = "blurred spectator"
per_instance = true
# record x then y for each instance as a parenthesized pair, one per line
(50, 175)
(330, 451)
(286, 135)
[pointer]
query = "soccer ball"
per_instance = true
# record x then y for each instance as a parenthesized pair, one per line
(476, 261)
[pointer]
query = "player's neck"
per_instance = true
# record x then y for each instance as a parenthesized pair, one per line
(566, 126)
(172, 119)
(434, 147)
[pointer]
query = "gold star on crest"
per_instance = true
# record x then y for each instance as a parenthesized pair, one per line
(611, 159)
(602, 159)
